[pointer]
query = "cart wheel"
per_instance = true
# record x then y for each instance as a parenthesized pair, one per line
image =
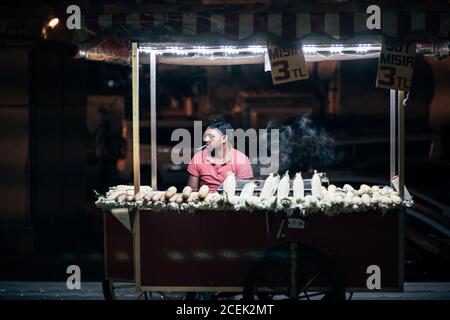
(113, 290)
(294, 271)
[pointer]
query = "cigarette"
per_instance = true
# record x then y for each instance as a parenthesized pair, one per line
(202, 147)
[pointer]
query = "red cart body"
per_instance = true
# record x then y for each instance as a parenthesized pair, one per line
(216, 250)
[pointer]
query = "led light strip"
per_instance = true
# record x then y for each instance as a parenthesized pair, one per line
(230, 50)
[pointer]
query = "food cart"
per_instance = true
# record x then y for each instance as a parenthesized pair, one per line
(261, 254)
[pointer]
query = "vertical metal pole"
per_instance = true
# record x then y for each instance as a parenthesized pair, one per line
(135, 92)
(401, 179)
(401, 143)
(137, 249)
(134, 213)
(392, 132)
(153, 149)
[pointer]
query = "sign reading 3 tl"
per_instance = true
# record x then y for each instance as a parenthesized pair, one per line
(396, 65)
(288, 64)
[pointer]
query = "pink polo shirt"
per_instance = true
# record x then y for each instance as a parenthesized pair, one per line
(213, 174)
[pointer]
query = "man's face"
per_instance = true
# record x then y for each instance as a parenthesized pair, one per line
(214, 138)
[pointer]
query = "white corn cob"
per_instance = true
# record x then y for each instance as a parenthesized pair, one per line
(331, 189)
(139, 196)
(268, 183)
(193, 197)
(338, 199)
(248, 190)
(267, 203)
(283, 187)
(386, 200)
(253, 202)
(267, 188)
(148, 196)
(363, 189)
(234, 200)
(121, 197)
(173, 198)
(212, 197)
(348, 187)
(276, 182)
(324, 192)
(171, 192)
(396, 199)
(365, 199)
(186, 192)
(203, 192)
(229, 185)
(179, 199)
(298, 187)
(112, 195)
(316, 186)
(356, 200)
(158, 195)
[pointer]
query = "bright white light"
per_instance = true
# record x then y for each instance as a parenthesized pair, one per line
(53, 23)
(363, 48)
(309, 49)
(336, 48)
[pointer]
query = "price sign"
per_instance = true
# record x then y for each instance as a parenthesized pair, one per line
(288, 64)
(396, 65)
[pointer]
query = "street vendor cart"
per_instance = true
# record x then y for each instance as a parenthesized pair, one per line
(259, 254)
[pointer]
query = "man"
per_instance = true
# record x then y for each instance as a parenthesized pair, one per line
(211, 165)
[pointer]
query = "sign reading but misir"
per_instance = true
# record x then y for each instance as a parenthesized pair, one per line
(396, 65)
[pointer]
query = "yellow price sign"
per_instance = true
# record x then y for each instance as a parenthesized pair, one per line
(288, 64)
(396, 65)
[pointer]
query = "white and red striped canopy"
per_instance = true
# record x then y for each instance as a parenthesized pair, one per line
(291, 26)
(110, 32)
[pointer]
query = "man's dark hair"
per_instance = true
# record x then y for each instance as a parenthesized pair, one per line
(221, 125)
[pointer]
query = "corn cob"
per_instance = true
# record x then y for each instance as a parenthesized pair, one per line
(121, 197)
(248, 189)
(316, 186)
(267, 188)
(283, 187)
(179, 199)
(170, 192)
(186, 192)
(193, 197)
(298, 188)
(229, 185)
(203, 192)
(148, 197)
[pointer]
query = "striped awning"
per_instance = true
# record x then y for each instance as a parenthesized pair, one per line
(291, 26)
(108, 33)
